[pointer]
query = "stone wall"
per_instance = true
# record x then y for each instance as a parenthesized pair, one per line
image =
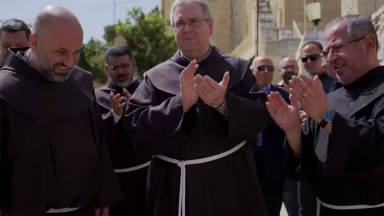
(279, 49)
(363, 7)
(378, 21)
(349, 7)
(221, 14)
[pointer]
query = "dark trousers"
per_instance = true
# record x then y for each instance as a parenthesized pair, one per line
(271, 189)
(299, 199)
(308, 202)
(291, 197)
(133, 185)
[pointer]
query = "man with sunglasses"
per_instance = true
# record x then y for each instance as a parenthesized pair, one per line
(341, 150)
(130, 163)
(268, 148)
(314, 64)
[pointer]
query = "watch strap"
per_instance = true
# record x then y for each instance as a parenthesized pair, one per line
(323, 123)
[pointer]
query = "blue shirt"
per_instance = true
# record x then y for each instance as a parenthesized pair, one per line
(266, 89)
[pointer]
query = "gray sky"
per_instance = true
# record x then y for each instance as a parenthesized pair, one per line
(93, 14)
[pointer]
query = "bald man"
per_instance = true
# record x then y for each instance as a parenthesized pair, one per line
(53, 157)
(268, 149)
(288, 68)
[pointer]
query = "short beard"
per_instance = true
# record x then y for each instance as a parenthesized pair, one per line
(124, 84)
(287, 78)
(49, 73)
(52, 76)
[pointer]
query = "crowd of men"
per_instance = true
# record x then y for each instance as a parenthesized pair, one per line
(314, 143)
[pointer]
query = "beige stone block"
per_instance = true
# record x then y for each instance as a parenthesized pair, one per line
(349, 7)
(378, 20)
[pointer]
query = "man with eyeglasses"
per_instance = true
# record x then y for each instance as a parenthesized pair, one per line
(314, 64)
(199, 111)
(130, 163)
(341, 150)
(268, 147)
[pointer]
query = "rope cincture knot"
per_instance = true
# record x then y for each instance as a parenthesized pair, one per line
(181, 164)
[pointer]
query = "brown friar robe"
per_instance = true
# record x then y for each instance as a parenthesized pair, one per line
(52, 149)
(130, 163)
(346, 169)
(224, 187)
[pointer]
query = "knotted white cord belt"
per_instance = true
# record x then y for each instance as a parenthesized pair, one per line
(347, 207)
(131, 169)
(183, 175)
(63, 210)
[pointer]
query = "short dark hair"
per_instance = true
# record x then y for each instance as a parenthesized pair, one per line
(15, 25)
(117, 51)
(317, 43)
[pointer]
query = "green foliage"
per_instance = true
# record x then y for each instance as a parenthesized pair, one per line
(109, 34)
(148, 38)
(92, 59)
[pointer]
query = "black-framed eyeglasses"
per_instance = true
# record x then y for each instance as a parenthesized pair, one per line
(193, 23)
(118, 67)
(262, 68)
(337, 47)
(313, 57)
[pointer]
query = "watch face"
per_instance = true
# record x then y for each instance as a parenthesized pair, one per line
(329, 115)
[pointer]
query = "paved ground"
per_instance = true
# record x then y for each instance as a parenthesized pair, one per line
(283, 212)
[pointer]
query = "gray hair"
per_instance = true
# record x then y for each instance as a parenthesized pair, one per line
(358, 26)
(203, 4)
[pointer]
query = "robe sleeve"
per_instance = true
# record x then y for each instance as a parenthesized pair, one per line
(357, 148)
(299, 168)
(2, 121)
(247, 112)
(154, 124)
(111, 132)
(110, 192)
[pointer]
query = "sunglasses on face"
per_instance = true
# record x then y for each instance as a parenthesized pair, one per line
(312, 57)
(263, 67)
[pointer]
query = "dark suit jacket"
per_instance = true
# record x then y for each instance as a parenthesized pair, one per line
(273, 144)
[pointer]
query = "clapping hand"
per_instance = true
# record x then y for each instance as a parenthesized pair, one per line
(189, 95)
(311, 95)
(211, 92)
(117, 102)
(285, 115)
